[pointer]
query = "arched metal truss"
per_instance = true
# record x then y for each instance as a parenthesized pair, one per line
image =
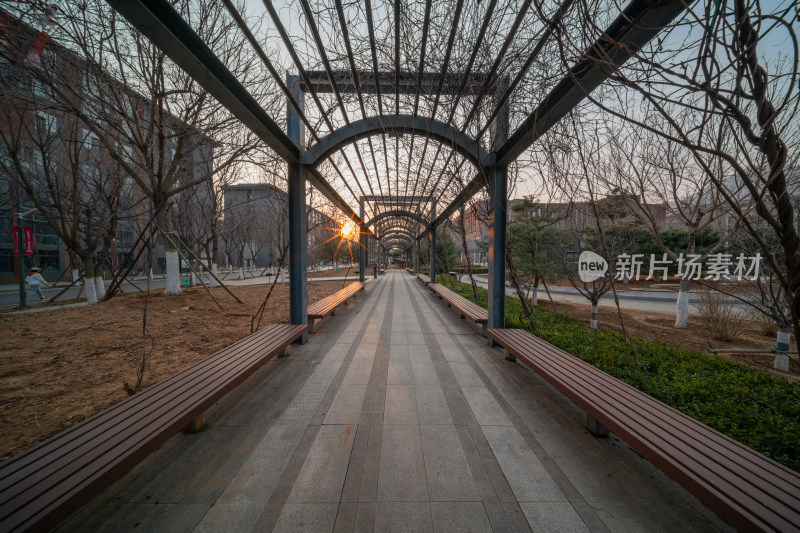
(398, 213)
(405, 244)
(397, 124)
(489, 112)
(396, 233)
(396, 229)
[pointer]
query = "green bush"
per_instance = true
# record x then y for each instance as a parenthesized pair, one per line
(748, 404)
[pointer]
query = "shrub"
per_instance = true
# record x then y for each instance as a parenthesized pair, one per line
(721, 315)
(766, 325)
(748, 404)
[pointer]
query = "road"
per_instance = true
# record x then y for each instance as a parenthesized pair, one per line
(9, 294)
(647, 300)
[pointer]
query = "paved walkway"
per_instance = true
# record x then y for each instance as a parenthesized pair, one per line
(396, 416)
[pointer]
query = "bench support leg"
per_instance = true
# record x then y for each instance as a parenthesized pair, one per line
(510, 356)
(282, 353)
(195, 425)
(595, 428)
(310, 326)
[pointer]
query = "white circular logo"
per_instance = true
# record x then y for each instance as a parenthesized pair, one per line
(591, 266)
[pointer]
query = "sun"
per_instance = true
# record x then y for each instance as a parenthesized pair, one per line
(349, 231)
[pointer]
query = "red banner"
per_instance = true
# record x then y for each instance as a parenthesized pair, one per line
(27, 233)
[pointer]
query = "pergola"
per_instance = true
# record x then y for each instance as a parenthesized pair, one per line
(387, 145)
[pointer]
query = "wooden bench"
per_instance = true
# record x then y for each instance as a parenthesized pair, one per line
(44, 485)
(469, 310)
(327, 306)
(748, 490)
(423, 278)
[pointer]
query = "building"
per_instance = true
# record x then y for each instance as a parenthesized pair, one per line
(255, 225)
(54, 150)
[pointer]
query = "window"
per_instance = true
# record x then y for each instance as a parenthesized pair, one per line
(45, 124)
(91, 143)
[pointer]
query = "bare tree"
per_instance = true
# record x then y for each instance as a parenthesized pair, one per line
(706, 85)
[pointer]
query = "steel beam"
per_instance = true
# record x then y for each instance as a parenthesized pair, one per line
(398, 200)
(423, 126)
(404, 83)
(397, 233)
(164, 27)
(397, 213)
(630, 32)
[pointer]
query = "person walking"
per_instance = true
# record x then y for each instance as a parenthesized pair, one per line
(35, 280)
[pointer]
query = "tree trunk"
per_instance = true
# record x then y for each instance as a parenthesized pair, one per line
(781, 357)
(594, 315)
(213, 282)
(100, 287)
(682, 304)
(88, 280)
(535, 294)
(173, 273)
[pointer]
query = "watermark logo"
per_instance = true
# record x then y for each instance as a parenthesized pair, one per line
(591, 266)
(717, 267)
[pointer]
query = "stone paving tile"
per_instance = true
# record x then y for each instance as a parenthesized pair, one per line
(403, 516)
(424, 374)
(415, 337)
(432, 405)
(552, 516)
(347, 405)
(448, 473)
(307, 517)
(399, 371)
(322, 477)
(303, 407)
(526, 475)
(259, 475)
(399, 337)
(465, 376)
(239, 516)
(459, 517)
(401, 405)
(402, 468)
(419, 354)
(486, 409)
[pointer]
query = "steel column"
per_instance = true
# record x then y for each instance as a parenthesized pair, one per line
(362, 241)
(298, 215)
(433, 244)
(497, 245)
(498, 209)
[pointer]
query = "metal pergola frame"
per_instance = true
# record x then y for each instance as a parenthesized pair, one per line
(639, 22)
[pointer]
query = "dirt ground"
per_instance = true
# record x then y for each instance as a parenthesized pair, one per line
(62, 366)
(659, 327)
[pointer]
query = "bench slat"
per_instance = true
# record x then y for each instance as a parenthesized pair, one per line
(636, 398)
(471, 310)
(648, 408)
(757, 491)
(594, 378)
(53, 489)
(327, 305)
